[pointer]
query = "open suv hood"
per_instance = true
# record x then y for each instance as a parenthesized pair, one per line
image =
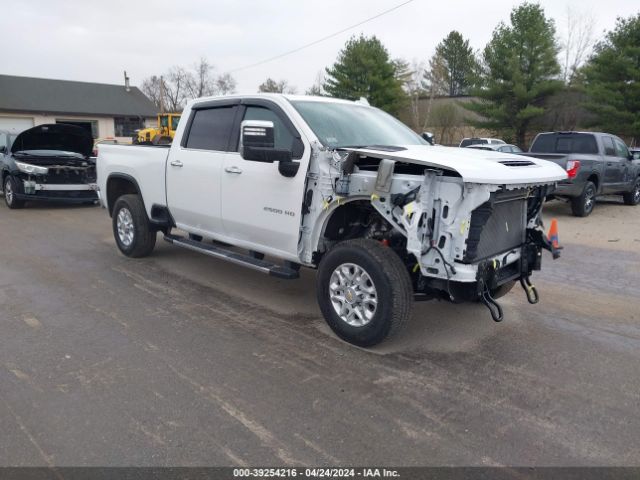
(476, 166)
(58, 136)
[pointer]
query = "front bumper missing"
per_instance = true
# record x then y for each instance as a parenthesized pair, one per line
(32, 187)
(69, 193)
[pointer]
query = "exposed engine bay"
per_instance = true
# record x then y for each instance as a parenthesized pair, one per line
(460, 241)
(50, 174)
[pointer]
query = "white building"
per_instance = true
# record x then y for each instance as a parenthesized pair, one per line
(105, 110)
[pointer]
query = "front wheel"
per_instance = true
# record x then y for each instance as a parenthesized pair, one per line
(582, 206)
(11, 188)
(131, 227)
(633, 197)
(364, 291)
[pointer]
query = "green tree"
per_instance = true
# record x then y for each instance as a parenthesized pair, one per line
(612, 79)
(459, 62)
(364, 69)
(520, 71)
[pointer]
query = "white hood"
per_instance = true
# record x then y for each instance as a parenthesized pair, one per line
(477, 166)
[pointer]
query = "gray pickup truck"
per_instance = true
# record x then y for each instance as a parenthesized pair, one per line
(596, 164)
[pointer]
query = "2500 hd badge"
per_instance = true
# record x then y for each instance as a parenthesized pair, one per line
(279, 211)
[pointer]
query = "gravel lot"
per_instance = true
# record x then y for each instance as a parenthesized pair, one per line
(179, 359)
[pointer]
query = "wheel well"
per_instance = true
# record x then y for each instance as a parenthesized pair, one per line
(338, 224)
(118, 186)
(594, 178)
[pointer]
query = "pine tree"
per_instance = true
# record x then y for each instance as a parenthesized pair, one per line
(364, 69)
(459, 63)
(520, 72)
(612, 80)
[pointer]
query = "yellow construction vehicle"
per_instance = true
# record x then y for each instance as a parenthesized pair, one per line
(167, 124)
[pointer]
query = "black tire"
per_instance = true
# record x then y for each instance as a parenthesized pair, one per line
(502, 290)
(582, 206)
(633, 197)
(391, 283)
(135, 223)
(10, 188)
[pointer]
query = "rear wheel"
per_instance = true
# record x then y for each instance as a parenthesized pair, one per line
(131, 227)
(633, 197)
(582, 206)
(11, 188)
(364, 291)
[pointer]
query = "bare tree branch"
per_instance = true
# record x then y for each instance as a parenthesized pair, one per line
(577, 43)
(179, 85)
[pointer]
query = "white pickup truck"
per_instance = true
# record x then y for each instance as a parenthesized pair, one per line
(276, 182)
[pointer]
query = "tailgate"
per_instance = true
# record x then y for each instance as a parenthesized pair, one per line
(557, 158)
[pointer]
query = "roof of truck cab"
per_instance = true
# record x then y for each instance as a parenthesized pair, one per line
(568, 132)
(277, 96)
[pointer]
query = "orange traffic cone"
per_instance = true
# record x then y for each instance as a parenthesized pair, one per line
(553, 234)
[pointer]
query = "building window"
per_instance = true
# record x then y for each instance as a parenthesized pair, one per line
(127, 126)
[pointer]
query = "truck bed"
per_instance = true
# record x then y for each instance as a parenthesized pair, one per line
(129, 161)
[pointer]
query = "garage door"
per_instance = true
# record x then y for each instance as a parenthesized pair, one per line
(15, 124)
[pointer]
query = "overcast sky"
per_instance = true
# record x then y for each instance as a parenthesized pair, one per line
(96, 40)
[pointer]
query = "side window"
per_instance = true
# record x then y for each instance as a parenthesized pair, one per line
(609, 149)
(621, 149)
(210, 129)
(283, 138)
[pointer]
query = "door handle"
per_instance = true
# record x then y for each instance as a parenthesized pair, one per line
(609, 164)
(176, 163)
(233, 169)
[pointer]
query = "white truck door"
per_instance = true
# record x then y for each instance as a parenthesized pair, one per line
(261, 208)
(194, 168)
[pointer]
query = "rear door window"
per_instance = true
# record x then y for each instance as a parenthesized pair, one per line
(609, 149)
(210, 129)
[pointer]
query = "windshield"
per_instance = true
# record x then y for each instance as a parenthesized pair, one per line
(350, 125)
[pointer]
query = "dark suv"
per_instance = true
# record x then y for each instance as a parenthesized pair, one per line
(47, 162)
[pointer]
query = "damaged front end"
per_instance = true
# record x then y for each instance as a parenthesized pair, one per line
(460, 240)
(52, 162)
(67, 178)
(470, 241)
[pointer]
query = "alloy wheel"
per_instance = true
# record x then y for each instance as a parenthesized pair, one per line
(125, 227)
(353, 294)
(8, 191)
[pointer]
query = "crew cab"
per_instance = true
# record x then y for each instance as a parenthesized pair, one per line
(596, 164)
(47, 163)
(294, 181)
